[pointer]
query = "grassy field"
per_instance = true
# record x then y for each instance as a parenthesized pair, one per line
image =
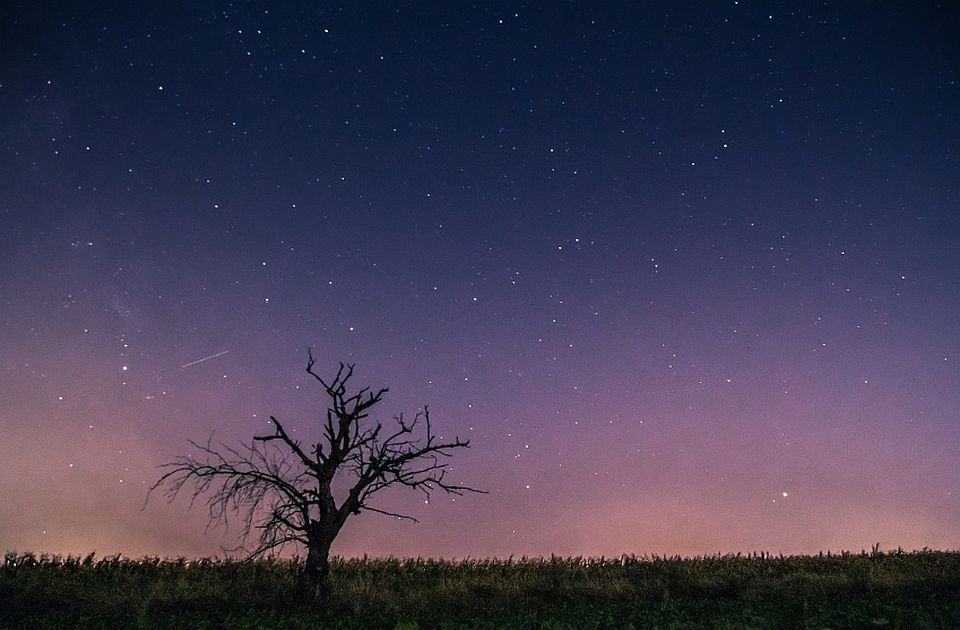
(866, 590)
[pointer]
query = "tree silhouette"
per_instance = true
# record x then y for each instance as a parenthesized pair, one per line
(286, 492)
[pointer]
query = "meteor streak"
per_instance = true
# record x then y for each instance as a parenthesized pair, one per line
(212, 356)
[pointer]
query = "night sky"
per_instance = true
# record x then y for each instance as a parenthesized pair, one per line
(687, 275)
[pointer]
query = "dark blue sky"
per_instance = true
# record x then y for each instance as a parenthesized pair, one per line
(685, 273)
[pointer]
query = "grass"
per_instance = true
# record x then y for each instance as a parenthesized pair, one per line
(866, 590)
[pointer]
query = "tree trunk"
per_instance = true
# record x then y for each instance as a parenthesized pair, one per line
(313, 584)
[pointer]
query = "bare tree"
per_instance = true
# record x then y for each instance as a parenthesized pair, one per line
(285, 491)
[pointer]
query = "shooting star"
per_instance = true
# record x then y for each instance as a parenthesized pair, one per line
(212, 356)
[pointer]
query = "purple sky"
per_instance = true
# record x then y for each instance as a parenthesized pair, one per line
(686, 275)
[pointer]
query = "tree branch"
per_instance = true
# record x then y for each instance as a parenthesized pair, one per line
(293, 445)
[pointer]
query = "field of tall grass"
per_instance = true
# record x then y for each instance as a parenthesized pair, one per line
(870, 589)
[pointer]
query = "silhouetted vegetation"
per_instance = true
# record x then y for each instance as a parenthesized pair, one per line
(284, 489)
(876, 589)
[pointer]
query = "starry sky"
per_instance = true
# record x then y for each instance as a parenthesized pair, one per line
(685, 273)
